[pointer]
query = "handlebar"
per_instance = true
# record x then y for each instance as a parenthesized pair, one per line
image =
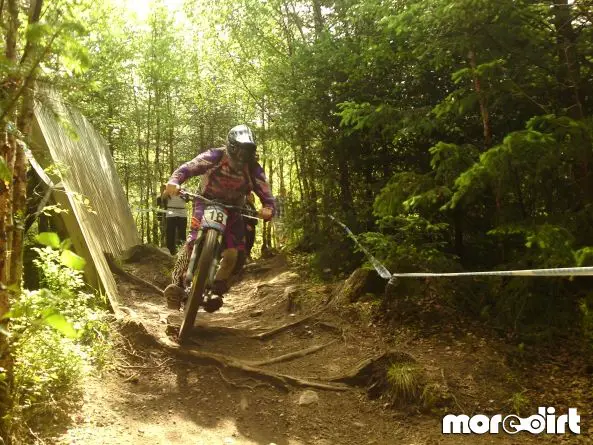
(194, 196)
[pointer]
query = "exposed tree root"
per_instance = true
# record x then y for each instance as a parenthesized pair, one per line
(292, 355)
(281, 381)
(287, 326)
(201, 329)
(365, 372)
(115, 268)
(256, 268)
(242, 385)
(331, 327)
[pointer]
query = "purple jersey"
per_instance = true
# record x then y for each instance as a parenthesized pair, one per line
(223, 183)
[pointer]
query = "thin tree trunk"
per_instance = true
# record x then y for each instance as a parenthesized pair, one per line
(569, 80)
(147, 172)
(110, 129)
(8, 151)
(299, 174)
(268, 226)
(171, 134)
(458, 216)
(19, 209)
(290, 178)
(24, 124)
(345, 191)
(281, 174)
(157, 165)
(312, 204)
(317, 18)
(568, 76)
(483, 101)
(264, 147)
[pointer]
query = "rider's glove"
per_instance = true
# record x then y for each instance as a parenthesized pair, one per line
(265, 213)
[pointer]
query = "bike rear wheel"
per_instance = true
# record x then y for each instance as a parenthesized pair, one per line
(196, 294)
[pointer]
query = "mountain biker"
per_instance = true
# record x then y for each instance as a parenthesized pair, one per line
(230, 173)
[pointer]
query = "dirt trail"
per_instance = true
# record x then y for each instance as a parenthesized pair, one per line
(159, 395)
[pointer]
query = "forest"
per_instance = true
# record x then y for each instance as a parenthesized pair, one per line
(449, 136)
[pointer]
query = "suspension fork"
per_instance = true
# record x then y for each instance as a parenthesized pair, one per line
(195, 252)
(215, 260)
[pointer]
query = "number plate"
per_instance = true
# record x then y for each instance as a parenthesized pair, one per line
(214, 217)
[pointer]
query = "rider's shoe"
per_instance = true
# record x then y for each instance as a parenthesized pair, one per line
(214, 303)
(174, 295)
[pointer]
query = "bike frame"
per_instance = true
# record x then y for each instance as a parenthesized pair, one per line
(214, 222)
(204, 228)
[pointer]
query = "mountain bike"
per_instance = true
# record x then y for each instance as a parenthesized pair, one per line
(204, 258)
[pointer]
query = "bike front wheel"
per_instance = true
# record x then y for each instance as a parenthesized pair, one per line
(196, 294)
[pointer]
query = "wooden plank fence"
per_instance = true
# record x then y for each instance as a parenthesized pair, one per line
(99, 219)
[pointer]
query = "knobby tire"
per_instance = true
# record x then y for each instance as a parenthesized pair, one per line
(196, 294)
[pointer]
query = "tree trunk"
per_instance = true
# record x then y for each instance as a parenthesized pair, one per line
(157, 166)
(317, 18)
(267, 225)
(299, 174)
(8, 153)
(171, 135)
(569, 79)
(13, 196)
(147, 174)
(458, 216)
(281, 174)
(483, 101)
(568, 76)
(25, 121)
(110, 129)
(345, 192)
(19, 210)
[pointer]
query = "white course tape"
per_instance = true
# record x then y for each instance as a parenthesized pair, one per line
(384, 273)
(381, 270)
(155, 210)
(557, 272)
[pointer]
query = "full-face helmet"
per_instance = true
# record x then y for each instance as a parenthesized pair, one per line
(241, 145)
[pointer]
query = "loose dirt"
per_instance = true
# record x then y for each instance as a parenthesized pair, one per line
(159, 393)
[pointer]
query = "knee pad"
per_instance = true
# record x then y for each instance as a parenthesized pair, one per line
(227, 265)
(230, 255)
(241, 257)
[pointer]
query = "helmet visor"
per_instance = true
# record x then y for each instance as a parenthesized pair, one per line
(246, 152)
(244, 138)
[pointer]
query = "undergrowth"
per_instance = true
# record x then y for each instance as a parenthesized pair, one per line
(404, 382)
(57, 335)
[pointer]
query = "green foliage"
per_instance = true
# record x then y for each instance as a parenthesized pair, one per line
(72, 260)
(410, 244)
(55, 274)
(57, 334)
(5, 175)
(404, 381)
(547, 245)
(584, 257)
(450, 160)
(394, 198)
(50, 239)
(455, 135)
(520, 404)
